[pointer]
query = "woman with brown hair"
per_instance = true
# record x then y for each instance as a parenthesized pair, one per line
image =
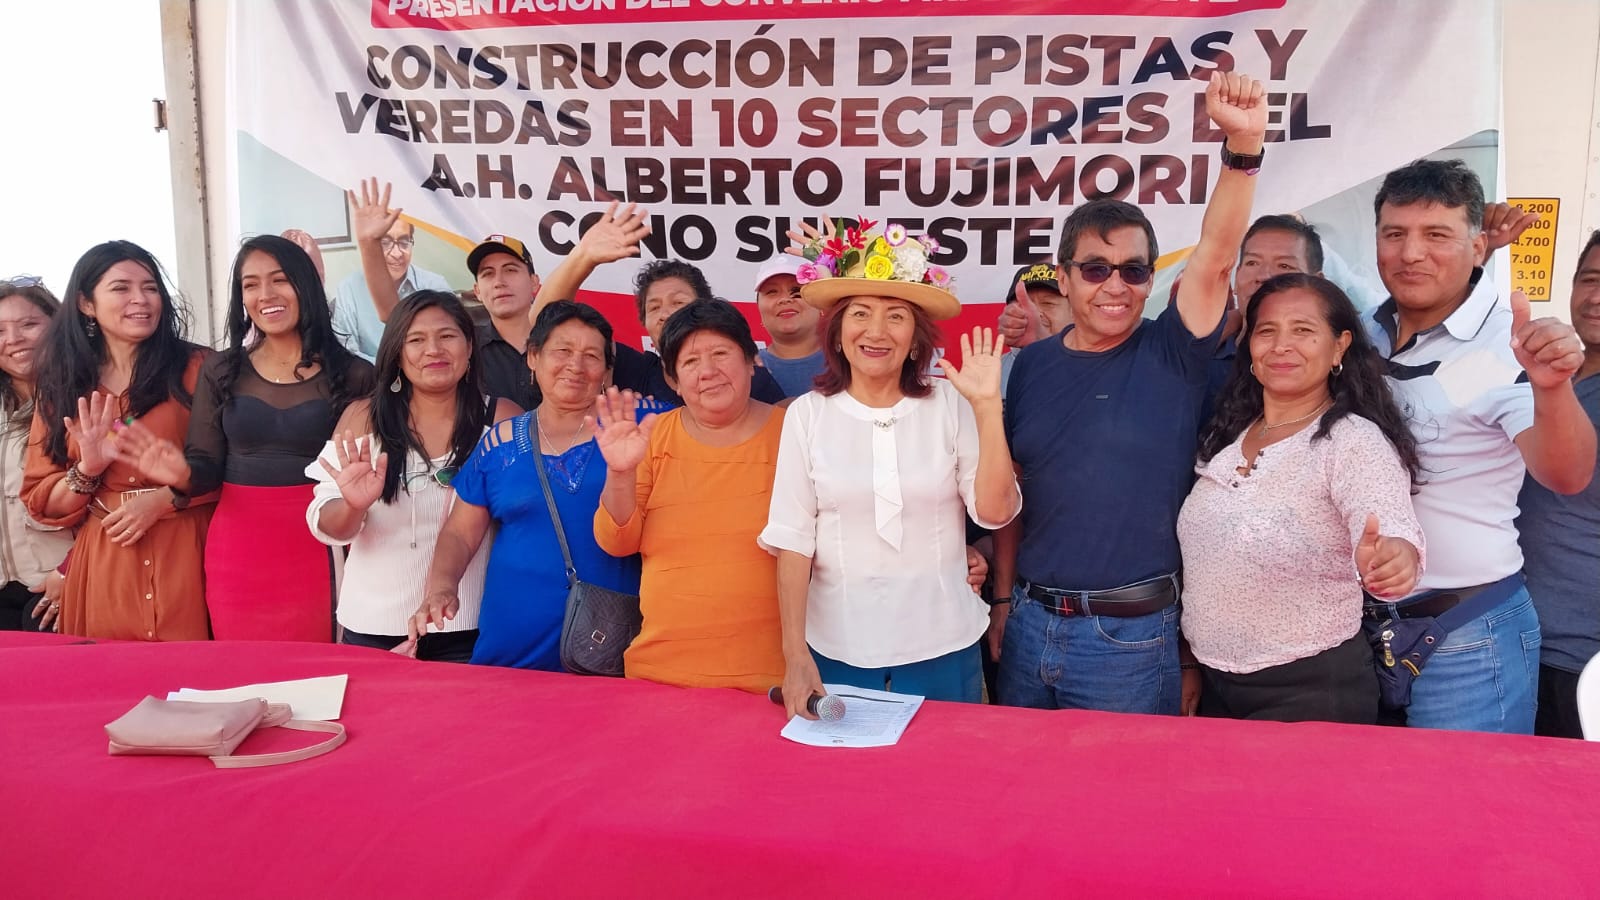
(876, 469)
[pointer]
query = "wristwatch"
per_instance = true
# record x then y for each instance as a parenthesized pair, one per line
(180, 500)
(1249, 165)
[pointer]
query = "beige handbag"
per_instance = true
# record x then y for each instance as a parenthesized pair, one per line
(188, 728)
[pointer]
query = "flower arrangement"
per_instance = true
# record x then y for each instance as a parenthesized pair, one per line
(856, 251)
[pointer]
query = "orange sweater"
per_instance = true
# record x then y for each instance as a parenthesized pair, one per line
(709, 593)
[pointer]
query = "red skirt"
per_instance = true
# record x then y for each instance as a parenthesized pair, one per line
(267, 578)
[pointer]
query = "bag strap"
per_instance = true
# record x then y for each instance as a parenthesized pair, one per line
(287, 756)
(549, 498)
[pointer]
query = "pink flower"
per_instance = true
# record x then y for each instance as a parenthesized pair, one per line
(938, 277)
(827, 262)
(807, 273)
(895, 235)
(928, 242)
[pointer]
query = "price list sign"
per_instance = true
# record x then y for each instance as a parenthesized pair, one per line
(1533, 256)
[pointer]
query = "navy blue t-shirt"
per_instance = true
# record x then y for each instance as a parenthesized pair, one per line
(1106, 443)
(1217, 375)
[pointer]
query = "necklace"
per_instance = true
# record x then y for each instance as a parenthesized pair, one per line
(886, 424)
(546, 438)
(264, 362)
(1316, 412)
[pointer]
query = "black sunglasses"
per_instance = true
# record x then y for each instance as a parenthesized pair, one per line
(1096, 272)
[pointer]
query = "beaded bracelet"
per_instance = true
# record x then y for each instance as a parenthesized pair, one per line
(79, 483)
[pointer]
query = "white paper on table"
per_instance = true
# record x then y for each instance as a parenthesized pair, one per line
(317, 699)
(871, 719)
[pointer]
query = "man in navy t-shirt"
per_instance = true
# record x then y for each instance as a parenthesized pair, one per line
(1103, 420)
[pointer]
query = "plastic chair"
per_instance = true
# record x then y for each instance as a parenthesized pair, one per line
(1589, 699)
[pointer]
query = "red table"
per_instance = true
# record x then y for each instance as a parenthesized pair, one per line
(474, 782)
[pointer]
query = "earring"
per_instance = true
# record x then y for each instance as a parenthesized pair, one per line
(1252, 368)
(913, 356)
(91, 328)
(1338, 367)
(395, 386)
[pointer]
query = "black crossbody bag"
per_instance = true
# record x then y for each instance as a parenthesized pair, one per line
(599, 623)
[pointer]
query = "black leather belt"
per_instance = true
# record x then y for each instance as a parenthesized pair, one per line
(1139, 599)
(1436, 603)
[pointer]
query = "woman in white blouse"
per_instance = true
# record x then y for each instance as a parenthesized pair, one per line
(383, 482)
(1303, 499)
(876, 471)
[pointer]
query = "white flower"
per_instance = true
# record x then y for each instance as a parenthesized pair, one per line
(910, 262)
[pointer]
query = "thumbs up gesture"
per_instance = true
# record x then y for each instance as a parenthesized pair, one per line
(1020, 322)
(1387, 566)
(1547, 349)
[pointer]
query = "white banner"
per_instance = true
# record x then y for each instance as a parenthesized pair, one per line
(981, 122)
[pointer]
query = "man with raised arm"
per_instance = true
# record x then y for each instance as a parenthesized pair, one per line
(1103, 422)
(662, 288)
(363, 301)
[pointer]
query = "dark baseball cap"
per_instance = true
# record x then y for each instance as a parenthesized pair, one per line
(1037, 275)
(498, 243)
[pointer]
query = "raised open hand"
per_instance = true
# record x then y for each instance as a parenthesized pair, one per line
(623, 441)
(1238, 104)
(359, 476)
(97, 413)
(157, 458)
(370, 214)
(978, 378)
(805, 233)
(1547, 349)
(615, 235)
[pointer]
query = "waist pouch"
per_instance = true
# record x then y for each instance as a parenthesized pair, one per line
(1402, 645)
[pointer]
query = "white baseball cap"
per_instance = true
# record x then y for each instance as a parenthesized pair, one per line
(782, 264)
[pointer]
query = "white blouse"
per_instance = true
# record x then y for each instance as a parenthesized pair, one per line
(389, 557)
(28, 551)
(1269, 571)
(877, 499)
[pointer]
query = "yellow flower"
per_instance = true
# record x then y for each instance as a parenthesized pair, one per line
(879, 268)
(880, 246)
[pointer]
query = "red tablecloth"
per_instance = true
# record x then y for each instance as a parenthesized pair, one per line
(473, 782)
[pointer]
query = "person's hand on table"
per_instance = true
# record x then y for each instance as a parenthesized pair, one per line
(801, 680)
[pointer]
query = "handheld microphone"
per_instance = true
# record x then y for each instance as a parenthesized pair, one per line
(826, 707)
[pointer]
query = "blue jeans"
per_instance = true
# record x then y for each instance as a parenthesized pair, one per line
(1049, 661)
(1485, 676)
(956, 676)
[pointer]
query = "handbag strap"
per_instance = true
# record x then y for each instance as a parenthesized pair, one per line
(287, 756)
(549, 498)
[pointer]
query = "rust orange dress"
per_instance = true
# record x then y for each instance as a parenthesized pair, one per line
(151, 591)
